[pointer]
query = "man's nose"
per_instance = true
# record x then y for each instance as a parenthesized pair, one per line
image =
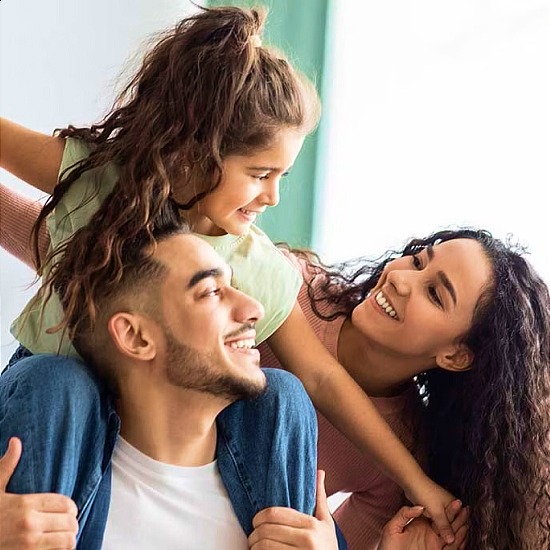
(248, 309)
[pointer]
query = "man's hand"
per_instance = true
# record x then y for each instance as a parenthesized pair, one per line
(282, 528)
(408, 530)
(41, 521)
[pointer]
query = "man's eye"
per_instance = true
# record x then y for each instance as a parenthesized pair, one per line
(212, 292)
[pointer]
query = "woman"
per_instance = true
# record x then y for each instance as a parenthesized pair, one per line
(451, 337)
(496, 337)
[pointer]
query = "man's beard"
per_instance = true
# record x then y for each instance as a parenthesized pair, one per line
(193, 370)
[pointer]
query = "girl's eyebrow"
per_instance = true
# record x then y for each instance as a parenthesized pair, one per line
(442, 276)
(268, 168)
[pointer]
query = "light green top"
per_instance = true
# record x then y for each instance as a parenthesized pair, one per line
(259, 268)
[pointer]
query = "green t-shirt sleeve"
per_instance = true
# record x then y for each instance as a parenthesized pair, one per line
(78, 205)
(84, 196)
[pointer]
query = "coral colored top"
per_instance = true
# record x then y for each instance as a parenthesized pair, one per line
(374, 497)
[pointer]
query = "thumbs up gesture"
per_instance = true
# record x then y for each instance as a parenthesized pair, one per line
(279, 527)
(39, 521)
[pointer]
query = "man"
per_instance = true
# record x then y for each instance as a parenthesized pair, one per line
(197, 453)
(175, 462)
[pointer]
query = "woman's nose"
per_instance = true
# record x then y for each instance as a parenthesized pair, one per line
(402, 280)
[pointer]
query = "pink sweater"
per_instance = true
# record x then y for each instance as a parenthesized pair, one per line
(17, 216)
(374, 497)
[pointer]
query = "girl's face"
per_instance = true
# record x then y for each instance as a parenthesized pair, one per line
(422, 304)
(248, 186)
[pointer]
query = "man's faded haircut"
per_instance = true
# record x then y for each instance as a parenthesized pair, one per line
(136, 288)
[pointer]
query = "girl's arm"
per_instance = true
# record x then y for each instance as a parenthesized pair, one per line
(31, 156)
(342, 401)
(17, 216)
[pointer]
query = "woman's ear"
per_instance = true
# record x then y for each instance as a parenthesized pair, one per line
(457, 359)
(132, 336)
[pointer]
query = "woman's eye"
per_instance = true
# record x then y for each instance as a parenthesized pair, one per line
(416, 261)
(262, 177)
(433, 295)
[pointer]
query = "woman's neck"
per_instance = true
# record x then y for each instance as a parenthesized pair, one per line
(379, 372)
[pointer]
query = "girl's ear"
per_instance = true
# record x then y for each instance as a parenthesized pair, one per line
(458, 358)
(132, 336)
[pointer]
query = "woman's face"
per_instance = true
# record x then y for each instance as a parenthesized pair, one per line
(422, 304)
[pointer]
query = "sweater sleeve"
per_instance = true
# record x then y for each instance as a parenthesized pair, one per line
(17, 216)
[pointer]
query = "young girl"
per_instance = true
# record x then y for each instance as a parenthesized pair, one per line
(212, 121)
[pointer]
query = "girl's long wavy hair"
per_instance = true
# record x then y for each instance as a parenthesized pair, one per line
(488, 428)
(205, 90)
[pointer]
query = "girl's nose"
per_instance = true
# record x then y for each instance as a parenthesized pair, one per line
(270, 195)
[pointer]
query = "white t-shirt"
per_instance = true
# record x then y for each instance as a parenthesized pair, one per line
(156, 505)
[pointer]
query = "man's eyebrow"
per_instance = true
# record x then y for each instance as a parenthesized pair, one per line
(442, 277)
(204, 274)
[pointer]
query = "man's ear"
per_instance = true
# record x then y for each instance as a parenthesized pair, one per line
(458, 358)
(132, 336)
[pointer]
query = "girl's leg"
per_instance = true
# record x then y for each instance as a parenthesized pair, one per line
(66, 423)
(267, 449)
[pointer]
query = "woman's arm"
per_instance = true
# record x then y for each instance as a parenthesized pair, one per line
(17, 216)
(341, 400)
(31, 156)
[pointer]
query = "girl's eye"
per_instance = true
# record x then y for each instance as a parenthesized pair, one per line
(416, 261)
(434, 297)
(262, 177)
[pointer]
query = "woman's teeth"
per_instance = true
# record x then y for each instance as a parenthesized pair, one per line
(384, 304)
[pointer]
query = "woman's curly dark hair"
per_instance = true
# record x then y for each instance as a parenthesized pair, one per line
(488, 428)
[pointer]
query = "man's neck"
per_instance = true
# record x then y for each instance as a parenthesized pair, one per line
(169, 424)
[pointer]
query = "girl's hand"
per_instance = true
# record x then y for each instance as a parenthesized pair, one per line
(279, 527)
(407, 530)
(436, 501)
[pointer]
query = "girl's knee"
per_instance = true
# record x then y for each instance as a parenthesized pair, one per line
(51, 376)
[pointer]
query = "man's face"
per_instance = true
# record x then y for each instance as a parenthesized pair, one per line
(207, 325)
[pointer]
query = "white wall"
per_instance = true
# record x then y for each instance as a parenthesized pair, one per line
(439, 115)
(60, 61)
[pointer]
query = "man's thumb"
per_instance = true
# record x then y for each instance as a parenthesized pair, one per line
(322, 511)
(9, 462)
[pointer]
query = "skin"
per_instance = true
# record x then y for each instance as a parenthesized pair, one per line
(35, 521)
(249, 185)
(407, 530)
(382, 352)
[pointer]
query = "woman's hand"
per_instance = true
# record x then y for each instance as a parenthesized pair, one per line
(279, 527)
(408, 530)
(437, 503)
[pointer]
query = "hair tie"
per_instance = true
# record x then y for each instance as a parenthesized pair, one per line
(256, 41)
